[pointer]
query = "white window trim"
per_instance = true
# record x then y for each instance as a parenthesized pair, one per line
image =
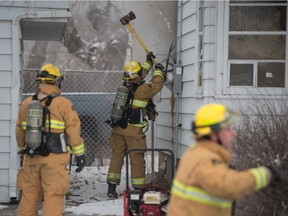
(223, 25)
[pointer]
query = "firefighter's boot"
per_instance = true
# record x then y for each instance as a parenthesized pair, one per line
(112, 194)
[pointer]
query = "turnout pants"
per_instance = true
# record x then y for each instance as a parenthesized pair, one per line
(120, 144)
(44, 181)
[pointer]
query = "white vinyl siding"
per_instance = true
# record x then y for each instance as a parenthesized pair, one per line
(5, 80)
(9, 10)
(205, 39)
(5, 101)
(4, 183)
(5, 95)
(209, 54)
(5, 144)
(6, 46)
(4, 160)
(5, 62)
(6, 30)
(190, 20)
(4, 128)
(5, 111)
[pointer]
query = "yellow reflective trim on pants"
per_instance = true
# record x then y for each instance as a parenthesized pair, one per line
(78, 150)
(146, 65)
(54, 124)
(139, 103)
(138, 181)
(113, 176)
(260, 175)
(198, 195)
(158, 73)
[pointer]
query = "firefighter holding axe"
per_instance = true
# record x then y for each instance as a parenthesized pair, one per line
(133, 102)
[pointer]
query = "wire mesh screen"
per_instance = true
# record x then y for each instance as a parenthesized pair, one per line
(92, 94)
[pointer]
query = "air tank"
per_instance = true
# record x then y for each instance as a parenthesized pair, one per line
(34, 125)
(119, 104)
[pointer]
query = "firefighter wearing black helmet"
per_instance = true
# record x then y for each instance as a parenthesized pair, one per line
(132, 135)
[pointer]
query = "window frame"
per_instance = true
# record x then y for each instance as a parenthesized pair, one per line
(244, 90)
(200, 35)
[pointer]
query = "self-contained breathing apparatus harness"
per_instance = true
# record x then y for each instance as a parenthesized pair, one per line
(123, 110)
(133, 116)
(43, 148)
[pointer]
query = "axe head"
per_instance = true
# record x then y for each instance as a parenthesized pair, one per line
(127, 18)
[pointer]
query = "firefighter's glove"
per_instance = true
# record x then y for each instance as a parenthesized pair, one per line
(149, 57)
(80, 163)
(277, 175)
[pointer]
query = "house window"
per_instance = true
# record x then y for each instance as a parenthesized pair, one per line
(257, 43)
(200, 42)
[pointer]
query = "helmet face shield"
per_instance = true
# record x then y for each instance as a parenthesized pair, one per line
(132, 71)
(213, 117)
(128, 75)
(230, 118)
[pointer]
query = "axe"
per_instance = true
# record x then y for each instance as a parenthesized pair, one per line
(126, 22)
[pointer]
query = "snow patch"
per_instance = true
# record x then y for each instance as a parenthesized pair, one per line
(2, 206)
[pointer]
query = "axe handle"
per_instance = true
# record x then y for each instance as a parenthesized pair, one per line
(132, 30)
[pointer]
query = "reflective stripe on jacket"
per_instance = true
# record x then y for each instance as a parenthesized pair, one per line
(54, 124)
(147, 66)
(139, 103)
(64, 119)
(198, 195)
(205, 185)
(141, 97)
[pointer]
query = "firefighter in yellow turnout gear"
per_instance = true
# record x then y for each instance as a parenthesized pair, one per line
(204, 184)
(44, 174)
(123, 139)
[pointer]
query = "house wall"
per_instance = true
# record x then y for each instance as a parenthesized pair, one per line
(192, 95)
(215, 76)
(10, 56)
(159, 17)
(5, 105)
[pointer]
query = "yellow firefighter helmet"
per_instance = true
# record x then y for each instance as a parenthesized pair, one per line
(212, 117)
(132, 71)
(49, 73)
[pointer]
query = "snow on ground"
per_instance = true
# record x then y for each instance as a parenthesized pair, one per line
(109, 207)
(3, 206)
(88, 191)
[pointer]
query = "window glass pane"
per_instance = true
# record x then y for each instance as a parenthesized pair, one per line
(257, 18)
(241, 75)
(271, 75)
(255, 47)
